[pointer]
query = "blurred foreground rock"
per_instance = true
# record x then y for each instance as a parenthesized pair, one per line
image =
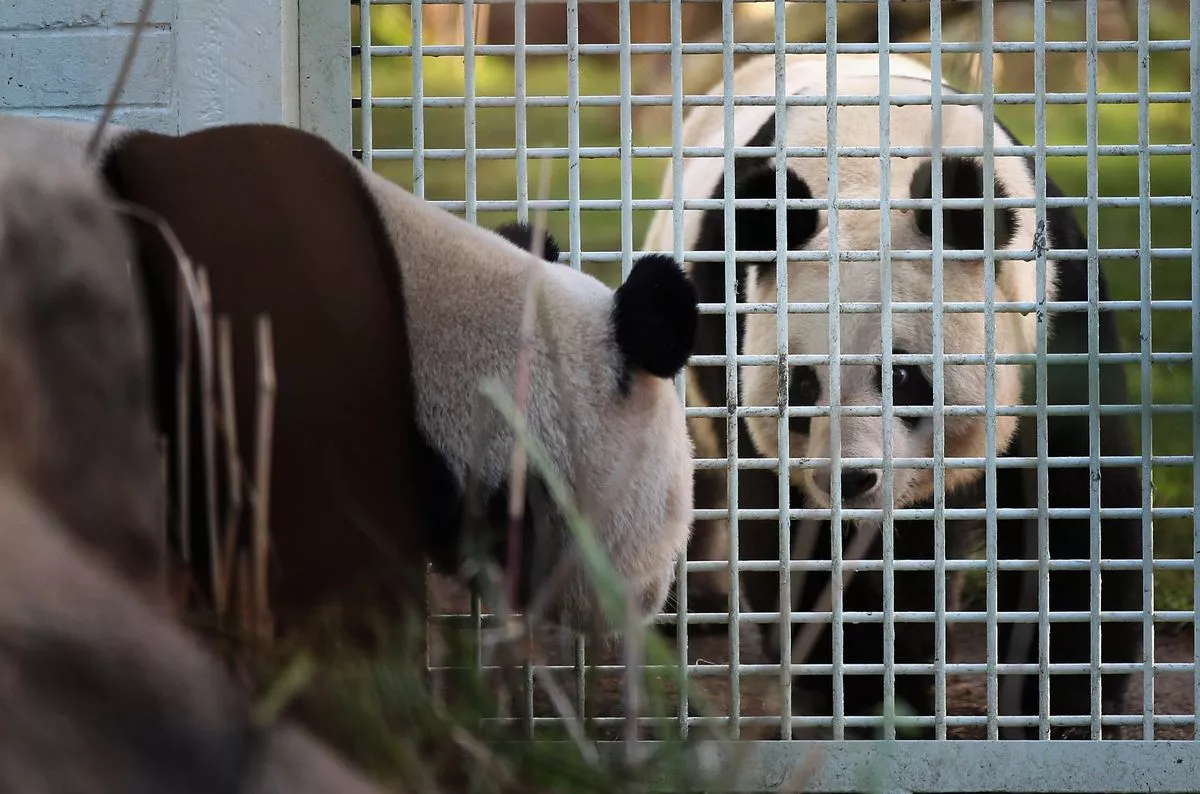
(100, 688)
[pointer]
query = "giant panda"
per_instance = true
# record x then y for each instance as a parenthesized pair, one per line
(862, 436)
(387, 314)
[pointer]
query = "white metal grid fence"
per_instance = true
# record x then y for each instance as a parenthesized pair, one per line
(445, 101)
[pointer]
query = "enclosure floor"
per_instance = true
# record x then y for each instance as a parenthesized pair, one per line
(759, 694)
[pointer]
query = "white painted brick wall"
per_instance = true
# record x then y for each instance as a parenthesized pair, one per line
(59, 57)
(200, 63)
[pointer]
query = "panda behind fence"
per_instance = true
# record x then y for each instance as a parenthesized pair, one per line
(1016, 229)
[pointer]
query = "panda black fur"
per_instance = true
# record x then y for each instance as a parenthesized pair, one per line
(387, 313)
(860, 333)
(521, 235)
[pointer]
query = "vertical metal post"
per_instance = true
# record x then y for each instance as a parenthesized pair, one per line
(1194, 85)
(989, 361)
(887, 409)
(1093, 264)
(418, 99)
(521, 109)
(681, 633)
(470, 165)
(1040, 373)
(573, 131)
(1147, 391)
(731, 369)
(364, 70)
(626, 143)
(782, 323)
(939, 386)
(835, 378)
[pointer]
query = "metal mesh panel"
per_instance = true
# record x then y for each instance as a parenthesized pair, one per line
(469, 100)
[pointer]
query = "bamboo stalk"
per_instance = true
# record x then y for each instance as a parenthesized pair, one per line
(207, 424)
(267, 388)
(233, 465)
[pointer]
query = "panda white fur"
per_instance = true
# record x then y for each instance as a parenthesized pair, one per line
(601, 395)
(286, 225)
(1016, 229)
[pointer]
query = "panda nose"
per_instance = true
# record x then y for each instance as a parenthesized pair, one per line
(856, 482)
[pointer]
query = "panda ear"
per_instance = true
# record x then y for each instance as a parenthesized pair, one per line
(962, 229)
(654, 316)
(521, 235)
(756, 227)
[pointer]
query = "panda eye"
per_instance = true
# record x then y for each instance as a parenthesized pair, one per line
(910, 386)
(804, 388)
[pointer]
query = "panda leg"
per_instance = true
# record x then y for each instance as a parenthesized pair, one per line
(863, 643)
(708, 591)
(914, 642)
(1071, 538)
(1071, 590)
(1018, 591)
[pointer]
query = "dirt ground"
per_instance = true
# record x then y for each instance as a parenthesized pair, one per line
(966, 694)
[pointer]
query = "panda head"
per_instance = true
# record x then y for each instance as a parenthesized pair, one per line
(860, 282)
(601, 403)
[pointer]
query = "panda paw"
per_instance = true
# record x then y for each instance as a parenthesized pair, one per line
(655, 313)
(521, 235)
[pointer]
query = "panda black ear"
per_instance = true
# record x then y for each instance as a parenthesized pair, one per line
(962, 229)
(756, 227)
(521, 235)
(654, 315)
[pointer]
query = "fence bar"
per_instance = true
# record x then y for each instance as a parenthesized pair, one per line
(1147, 391)
(792, 48)
(986, 29)
(521, 130)
(649, 151)
(626, 143)
(469, 109)
(418, 99)
(681, 634)
(883, 14)
(521, 109)
(958, 513)
(573, 107)
(835, 383)
(576, 236)
(1041, 376)
(783, 428)
(941, 649)
(731, 373)
(1194, 69)
(1093, 265)
(364, 39)
(906, 668)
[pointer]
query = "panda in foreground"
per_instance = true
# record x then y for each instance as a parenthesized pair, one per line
(387, 313)
(964, 384)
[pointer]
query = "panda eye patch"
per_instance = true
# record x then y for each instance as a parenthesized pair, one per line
(910, 387)
(803, 390)
(962, 178)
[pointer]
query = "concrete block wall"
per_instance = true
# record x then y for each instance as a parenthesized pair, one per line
(200, 62)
